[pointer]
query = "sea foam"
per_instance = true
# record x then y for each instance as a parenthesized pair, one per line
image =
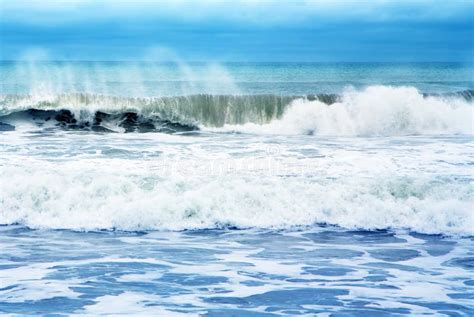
(373, 111)
(116, 194)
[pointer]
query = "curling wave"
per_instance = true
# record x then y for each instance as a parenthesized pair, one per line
(375, 110)
(94, 111)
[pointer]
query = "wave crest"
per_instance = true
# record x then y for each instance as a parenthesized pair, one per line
(206, 110)
(375, 110)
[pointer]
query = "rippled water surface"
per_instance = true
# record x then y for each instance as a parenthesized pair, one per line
(235, 273)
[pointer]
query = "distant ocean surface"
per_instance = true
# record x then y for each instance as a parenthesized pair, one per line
(236, 189)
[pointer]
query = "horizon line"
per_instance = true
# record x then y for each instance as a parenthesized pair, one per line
(226, 62)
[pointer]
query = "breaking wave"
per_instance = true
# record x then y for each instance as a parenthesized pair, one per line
(375, 110)
(92, 111)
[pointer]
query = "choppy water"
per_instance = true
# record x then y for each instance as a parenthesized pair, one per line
(236, 190)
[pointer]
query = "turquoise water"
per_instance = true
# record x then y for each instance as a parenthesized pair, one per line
(236, 189)
(158, 79)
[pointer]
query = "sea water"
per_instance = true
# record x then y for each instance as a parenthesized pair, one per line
(240, 189)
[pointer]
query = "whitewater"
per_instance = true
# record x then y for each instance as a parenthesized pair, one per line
(272, 189)
(404, 192)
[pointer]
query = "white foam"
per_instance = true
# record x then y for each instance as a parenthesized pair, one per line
(157, 181)
(89, 195)
(133, 303)
(373, 111)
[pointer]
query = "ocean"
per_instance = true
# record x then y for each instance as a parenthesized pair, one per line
(236, 189)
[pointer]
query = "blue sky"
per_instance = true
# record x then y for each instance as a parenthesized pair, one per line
(238, 30)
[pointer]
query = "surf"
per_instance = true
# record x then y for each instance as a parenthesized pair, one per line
(374, 110)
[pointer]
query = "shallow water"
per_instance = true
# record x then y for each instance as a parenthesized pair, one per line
(235, 273)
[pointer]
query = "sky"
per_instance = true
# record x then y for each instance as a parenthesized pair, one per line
(238, 30)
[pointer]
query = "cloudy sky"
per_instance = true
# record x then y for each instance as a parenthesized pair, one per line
(238, 30)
